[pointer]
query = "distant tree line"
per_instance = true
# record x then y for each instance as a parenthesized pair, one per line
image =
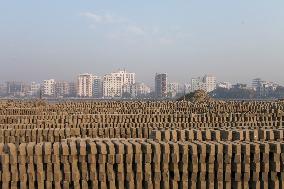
(244, 93)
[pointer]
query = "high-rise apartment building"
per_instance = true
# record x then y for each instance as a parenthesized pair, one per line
(72, 89)
(48, 87)
(161, 85)
(61, 88)
(206, 83)
(17, 88)
(197, 84)
(113, 83)
(139, 90)
(210, 82)
(85, 85)
(3, 89)
(174, 88)
(35, 89)
(97, 87)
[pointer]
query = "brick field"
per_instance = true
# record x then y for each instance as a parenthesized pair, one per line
(136, 144)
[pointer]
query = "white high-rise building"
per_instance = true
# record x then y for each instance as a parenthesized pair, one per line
(139, 90)
(85, 85)
(35, 88)
(197, 84)
(206, 83)
(210, 82)
(49, 87)
(174, 89)
(186, 88)
(113, 83)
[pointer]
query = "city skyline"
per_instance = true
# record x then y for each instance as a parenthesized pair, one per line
(234, 40)
(152, 79)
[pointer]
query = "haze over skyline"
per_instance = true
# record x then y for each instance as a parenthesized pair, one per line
(233, 40)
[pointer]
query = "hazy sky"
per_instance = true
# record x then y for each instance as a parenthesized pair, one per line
(236, 40)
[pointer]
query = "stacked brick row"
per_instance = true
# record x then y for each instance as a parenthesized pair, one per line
(217, 135)
(131, 163)
(18, 136)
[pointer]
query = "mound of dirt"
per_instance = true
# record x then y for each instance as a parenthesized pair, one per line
(198, 96)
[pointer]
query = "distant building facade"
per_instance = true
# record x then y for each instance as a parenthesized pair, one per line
(263, 88)
(48, 87)
(3, 89)
(97, 87)
(161, 85)
(197, 84)
(72, 89)
(174, 89)
(206, 83)
(35, 89)
(85, 85)
(17, 88)
(61, 89)
(224, 85)
(113, 83)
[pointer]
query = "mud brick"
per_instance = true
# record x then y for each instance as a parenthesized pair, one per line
(75, 172)
(83, 166)
(200, 182)
(226, 135)
(136, 148)
(110, 152)
(94, 184)
(210, 152)
(119, 151)
(219, 157)
(278, 134)
(273, 181)
(156, 135)
(73, 157)
(57, 185)
(92, 171)
(253, 135)
(227, 184)
(49, 172)
(147, 152)
(102, 172)
(66, 184)
(218, 185)
(23, 185)
(47, 149)
(5, 184)
(197, 135)
(189, 135)
(174, 136)
(6, 175)
(193, 158)
(181, 135)
(206, 135)
(67, 172)
(57, 174)
(40, 174)
(128, 150)
(92, 150)
(148, 185)
(215, 135)
(275, 147)
(23, 172)
(147, 171)
(237, 135)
